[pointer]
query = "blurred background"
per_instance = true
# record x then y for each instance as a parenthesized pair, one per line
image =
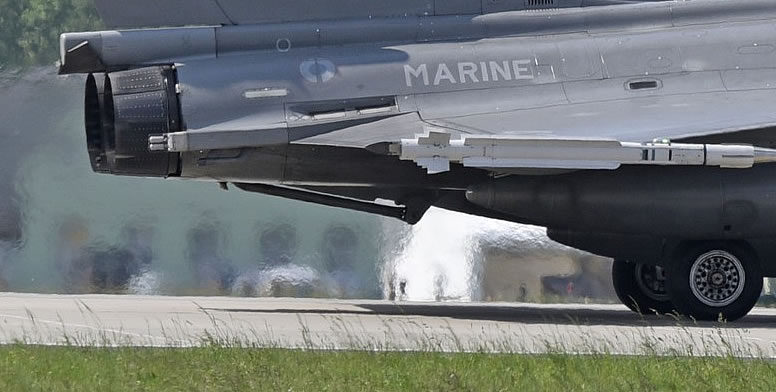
(64, 229)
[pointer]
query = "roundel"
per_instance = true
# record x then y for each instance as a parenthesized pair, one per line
(318, 70)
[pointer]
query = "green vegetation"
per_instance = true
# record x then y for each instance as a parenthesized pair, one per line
(235, 369)
(30, 28)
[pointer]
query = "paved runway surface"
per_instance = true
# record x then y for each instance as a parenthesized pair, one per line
(376, 325)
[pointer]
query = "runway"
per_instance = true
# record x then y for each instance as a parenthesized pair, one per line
(372, 325)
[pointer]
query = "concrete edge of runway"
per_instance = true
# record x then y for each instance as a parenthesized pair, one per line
(153, 321)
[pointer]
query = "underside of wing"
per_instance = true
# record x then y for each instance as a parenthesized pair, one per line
(631, 119)
(173, 13)
(152, 13)
(586, 135)
(169, 13)
(744, 116)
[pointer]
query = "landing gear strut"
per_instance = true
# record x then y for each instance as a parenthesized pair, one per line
(641, 287)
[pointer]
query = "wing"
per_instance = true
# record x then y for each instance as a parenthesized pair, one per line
(579, 128)
(153, 13)
(524, 112)
(169, 13)
(632, 119)
(172, 13)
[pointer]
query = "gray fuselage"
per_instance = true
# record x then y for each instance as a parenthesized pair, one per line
(312, 104)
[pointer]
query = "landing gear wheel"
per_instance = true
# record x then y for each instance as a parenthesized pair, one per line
(714, 281)
(641, 287)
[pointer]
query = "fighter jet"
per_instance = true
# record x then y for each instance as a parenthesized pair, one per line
(637, 130)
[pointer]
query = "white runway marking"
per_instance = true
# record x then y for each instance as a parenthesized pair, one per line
(65, 326)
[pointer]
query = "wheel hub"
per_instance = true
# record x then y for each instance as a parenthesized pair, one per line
(651, 279)
(717, 278)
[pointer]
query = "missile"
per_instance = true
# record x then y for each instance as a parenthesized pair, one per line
(436, 150)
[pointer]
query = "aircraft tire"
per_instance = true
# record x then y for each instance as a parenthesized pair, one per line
(641, 287)
(714, 282)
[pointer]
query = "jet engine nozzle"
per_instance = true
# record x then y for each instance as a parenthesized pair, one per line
(122, 110)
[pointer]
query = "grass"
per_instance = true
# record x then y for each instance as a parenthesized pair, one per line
(219, 368)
